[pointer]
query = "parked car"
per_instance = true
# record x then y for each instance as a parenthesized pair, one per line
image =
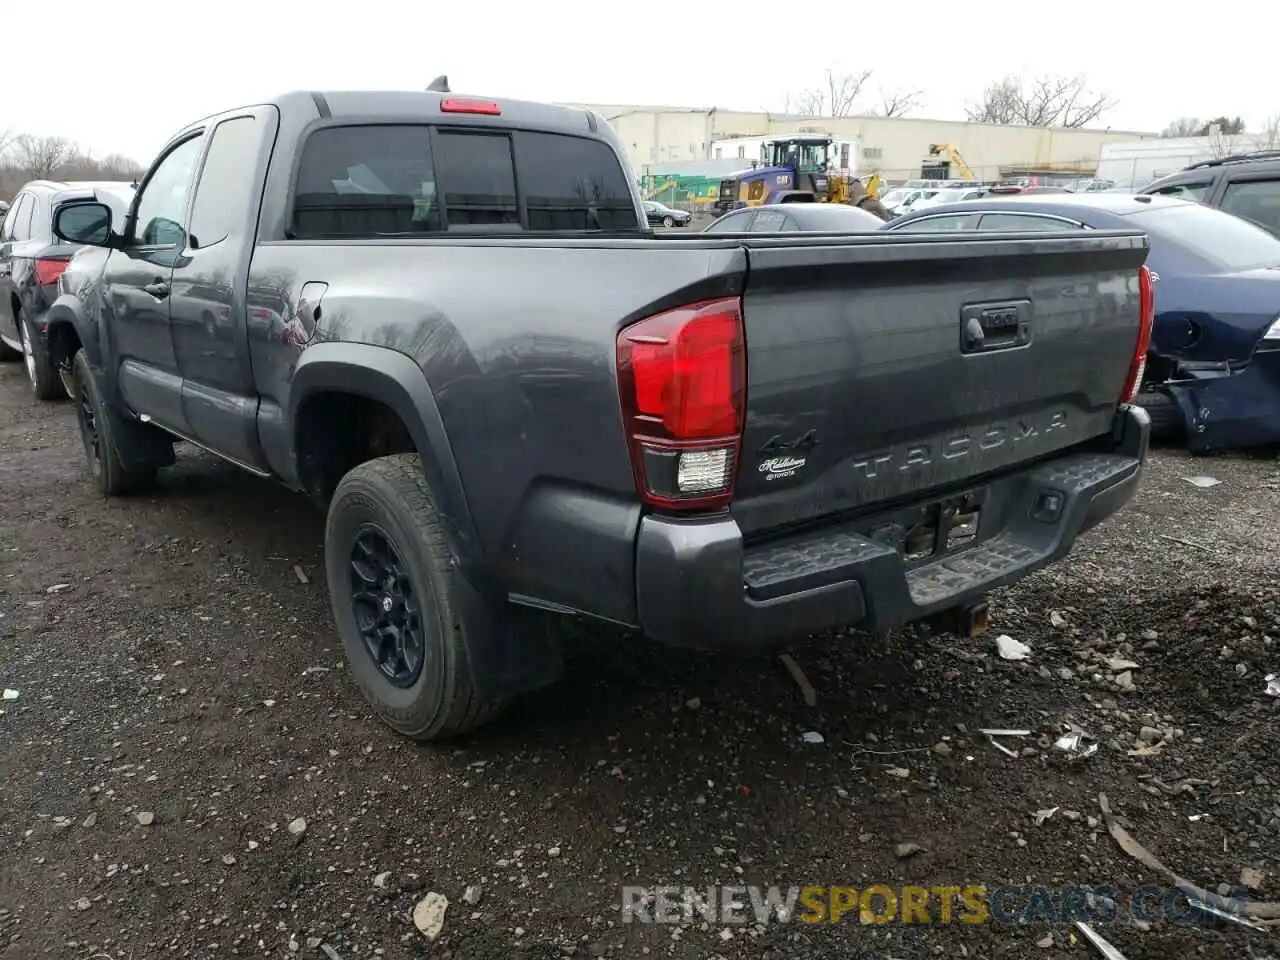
(1247, 185)
(901, 199)
(796, 217)
(949, 195)
(1213, 373)
(31, 261)
(660, 215)
(720, 441)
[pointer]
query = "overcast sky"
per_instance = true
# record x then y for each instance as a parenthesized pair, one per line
(121, 78)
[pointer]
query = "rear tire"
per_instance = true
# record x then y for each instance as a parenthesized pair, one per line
(396, 604)
(1167, 422)
(98, 426)
(668, 222)
(46, 383)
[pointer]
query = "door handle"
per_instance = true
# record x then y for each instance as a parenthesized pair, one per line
(158, 289)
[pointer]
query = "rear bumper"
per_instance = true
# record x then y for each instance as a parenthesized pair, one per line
(1231, 410)
(698, 586)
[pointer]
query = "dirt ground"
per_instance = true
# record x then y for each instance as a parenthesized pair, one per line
(172, 667)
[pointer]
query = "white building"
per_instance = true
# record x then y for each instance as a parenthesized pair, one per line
(1150, 159)
(657, 136)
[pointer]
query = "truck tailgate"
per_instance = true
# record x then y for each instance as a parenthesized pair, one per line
(880, 369)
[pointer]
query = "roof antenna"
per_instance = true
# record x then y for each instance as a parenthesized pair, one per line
(439, 85)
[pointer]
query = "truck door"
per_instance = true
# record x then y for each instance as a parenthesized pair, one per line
(136, 285)
(210, 333)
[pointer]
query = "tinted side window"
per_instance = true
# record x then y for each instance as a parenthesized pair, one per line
(162, 208)
(1022, 223)
(477, 177)
(1188, 190)
(1256, 200)
(936, 224)
(732, 223)
(365, 182)
(570, 183)
(769, 221)
(226, 182)
(19, 219)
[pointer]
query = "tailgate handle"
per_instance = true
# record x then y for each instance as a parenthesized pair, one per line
(986, 327)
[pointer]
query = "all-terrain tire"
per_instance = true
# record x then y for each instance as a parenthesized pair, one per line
(46, 382)
(1167, 422)
(388, 498)
(98, 426)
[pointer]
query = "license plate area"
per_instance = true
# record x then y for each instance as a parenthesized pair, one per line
(926, 532)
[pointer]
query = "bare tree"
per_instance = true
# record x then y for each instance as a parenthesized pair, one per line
(40, 157)
(809, 103)
(1269, 137)
(1183, 127)
(899, 104)
(843, 90)
(7, 138)
(1222, 142)
(1043, 102)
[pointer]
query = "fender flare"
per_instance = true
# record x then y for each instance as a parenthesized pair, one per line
(393, 379)
(68, 309)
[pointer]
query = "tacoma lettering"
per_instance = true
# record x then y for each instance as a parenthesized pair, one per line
(958, 446)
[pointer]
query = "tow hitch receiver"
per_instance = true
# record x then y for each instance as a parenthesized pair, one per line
(966, 621)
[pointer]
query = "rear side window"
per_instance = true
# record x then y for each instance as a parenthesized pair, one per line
(1189, 190)
(732, 223)
(937, 224)
(366, 182)
(570, 183)
(369, 181)
(769, 221)
(1222, 242)
(1256, 200)
(1023, 223)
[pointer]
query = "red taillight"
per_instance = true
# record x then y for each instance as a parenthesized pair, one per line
(48, 271)
(1147, 306)
(682, 375)
(463, 105)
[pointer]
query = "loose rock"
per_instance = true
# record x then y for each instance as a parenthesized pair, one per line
(428, 915)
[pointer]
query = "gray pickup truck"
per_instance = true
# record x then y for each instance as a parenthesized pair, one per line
(446, 320)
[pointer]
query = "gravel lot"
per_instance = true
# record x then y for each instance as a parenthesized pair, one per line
(173, 668)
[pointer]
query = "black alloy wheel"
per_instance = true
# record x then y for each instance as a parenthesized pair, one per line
(386, 607)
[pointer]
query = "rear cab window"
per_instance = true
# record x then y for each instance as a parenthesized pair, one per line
(1221, 242)
(360, 181)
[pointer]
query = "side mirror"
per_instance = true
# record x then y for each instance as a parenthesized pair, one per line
(84, 224)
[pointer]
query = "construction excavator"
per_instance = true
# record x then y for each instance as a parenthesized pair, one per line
(796, 169)
(949, 166)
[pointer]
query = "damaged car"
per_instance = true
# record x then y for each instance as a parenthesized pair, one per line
(1213, 372)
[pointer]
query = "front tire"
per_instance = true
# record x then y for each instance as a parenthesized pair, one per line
(46, 382)
(395, 602)
(668, 222)
(98, 427)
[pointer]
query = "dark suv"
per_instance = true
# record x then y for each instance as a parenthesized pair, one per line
(31, 261)
(1247, 185)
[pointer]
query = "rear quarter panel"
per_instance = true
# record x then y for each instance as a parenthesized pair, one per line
(518, 344)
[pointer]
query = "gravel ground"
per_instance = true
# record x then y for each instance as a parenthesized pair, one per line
(182, 701)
